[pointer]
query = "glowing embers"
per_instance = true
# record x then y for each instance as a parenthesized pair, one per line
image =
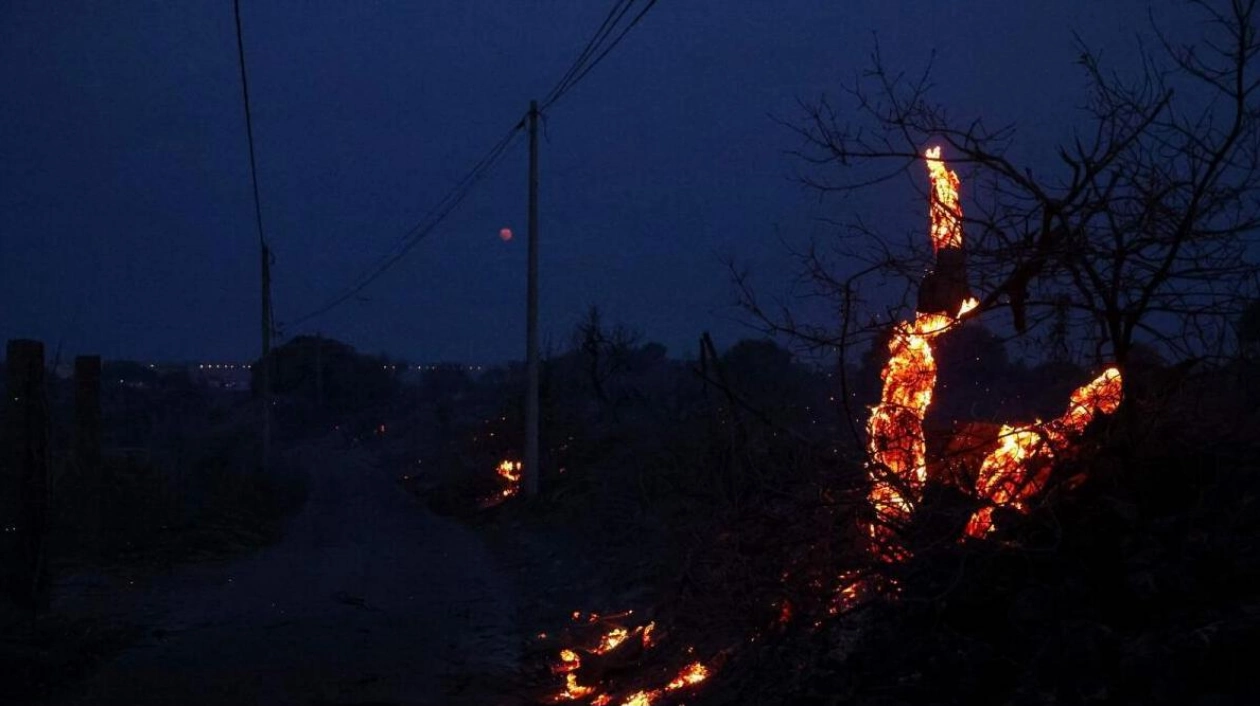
(572, 690)
(895, 439)
(1103, 395)
(691, 674)
(944, 209)
(509, 473)
(1020, 466)
(895, 429)
(614, 643)
(613, 647)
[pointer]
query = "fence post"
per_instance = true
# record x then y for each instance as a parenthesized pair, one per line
(87, 453)
(24, 487)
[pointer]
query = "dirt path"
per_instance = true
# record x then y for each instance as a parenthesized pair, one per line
(368, 598)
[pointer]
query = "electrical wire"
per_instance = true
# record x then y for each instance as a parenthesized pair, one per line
(578, 70)
(576, 78)
(249, 123)
(425, 227)
(615, 13)
(253, 174)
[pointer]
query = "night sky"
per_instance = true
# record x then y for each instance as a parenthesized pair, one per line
(126, 219)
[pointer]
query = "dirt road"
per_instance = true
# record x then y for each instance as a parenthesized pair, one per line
(368, 598)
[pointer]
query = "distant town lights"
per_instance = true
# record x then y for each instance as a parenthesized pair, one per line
(384, 367)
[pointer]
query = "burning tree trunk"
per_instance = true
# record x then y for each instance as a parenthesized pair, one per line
(1020, 465)
(944, 290)
(896, 444)
(897, 447)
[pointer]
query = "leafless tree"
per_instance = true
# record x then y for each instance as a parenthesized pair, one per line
(1140, 231)
(606, 351)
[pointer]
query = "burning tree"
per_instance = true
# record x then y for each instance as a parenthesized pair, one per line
(1016, 465)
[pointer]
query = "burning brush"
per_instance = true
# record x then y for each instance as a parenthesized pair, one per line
(600, 648)
(509, 473)
(1020, 466)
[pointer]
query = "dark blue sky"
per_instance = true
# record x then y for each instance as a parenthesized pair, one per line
(125, 212)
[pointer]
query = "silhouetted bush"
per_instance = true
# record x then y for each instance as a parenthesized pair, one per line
(330, 373)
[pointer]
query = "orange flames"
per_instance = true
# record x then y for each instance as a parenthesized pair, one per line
(509, 473)
(944, 210)
(617, 638)
(510, 483)
(895, 429)
(692, 674)
(1019, 468)
(1012, 473)
(574, 691)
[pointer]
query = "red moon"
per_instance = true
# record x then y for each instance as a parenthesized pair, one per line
(505, 234)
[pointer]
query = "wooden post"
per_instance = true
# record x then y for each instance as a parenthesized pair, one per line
(531, 470)
(319, 371)
(24, 489)
(87, 453)
(264, 374)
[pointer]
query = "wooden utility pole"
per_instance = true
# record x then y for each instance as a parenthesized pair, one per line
(532, 470)
(24, 489)
(264, 376)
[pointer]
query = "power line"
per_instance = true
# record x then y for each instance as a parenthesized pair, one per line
(581, 66)
(615, 13)
(425, 227)
(591, 65)
(249, 125)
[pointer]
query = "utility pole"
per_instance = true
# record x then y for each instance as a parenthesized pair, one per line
(532, 469)
(264, 376)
